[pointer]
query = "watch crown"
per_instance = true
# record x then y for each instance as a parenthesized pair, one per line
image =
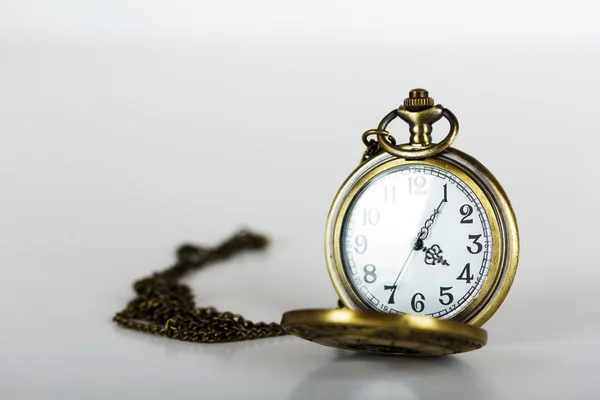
(418, 100)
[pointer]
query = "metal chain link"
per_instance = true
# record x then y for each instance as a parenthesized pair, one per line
(164, 306)
(372, 145)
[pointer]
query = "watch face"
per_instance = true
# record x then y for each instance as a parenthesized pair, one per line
(416, 239)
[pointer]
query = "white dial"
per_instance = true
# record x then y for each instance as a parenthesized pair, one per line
(416, 240)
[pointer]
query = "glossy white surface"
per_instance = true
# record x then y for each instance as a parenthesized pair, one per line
(127, 128)
(388, 270)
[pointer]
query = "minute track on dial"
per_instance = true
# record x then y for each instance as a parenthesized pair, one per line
(413, 197)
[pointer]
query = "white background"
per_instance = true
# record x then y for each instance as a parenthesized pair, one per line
(128, 127)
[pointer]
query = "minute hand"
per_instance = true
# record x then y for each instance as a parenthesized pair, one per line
(426, 229)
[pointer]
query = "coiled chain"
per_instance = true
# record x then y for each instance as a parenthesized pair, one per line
(164, 306)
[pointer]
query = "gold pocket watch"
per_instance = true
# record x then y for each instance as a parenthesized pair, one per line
(421, 245)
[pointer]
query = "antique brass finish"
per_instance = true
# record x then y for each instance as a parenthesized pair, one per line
(420, 114)
(165, 306)
(375, 332)
(504, 212)
(418, 99)
(420, 123)
(504, 233)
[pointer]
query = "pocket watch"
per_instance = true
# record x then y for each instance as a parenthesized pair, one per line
(421, 245)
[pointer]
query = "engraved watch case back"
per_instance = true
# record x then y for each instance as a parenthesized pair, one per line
(373, 332)
(405, 290)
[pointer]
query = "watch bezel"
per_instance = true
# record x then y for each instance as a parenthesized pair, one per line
(503, 226)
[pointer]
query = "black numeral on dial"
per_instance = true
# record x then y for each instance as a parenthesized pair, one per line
(370, 275)
(448, 296)
(475, 239)
(466, 275)
(393, 289)
(417, 302)
(466, 210)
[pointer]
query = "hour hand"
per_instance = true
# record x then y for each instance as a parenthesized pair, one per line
(433, 255)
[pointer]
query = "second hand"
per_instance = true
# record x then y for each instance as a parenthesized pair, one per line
(404, 265)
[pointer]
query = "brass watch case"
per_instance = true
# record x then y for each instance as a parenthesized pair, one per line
(376, 332)
(503, 226)
(355, 325)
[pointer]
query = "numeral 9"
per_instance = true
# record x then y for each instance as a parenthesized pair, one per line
(361, 244)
